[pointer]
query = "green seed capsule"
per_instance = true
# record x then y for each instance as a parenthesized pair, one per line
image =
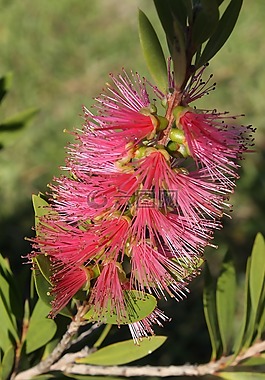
(177, 135)
(162, 123)
(172, 146)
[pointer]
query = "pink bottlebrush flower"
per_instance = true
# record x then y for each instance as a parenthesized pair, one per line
(153, 272)
(64, 243)
(143, 328)
(215, 141)
(144, 195)
(66, 283)
(78, 201)
(107, 294)
(192, 194)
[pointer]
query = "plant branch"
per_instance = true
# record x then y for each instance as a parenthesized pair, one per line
(158, 371)
(67, 365)
(45, 365)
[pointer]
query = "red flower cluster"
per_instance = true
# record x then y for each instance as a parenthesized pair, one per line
(148, 185)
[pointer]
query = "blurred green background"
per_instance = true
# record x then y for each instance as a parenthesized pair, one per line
(60, 53)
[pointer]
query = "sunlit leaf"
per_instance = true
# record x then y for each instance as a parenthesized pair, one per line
(5, 85)
(241, 375)
(7, 362)
(139, 306)
(209, 305)
(257, 272)
(254, 361)
(40, 207)
(123, 352)
(43, 288)
(153, 52)
(223, 31)
(225, 301)
(41, 329)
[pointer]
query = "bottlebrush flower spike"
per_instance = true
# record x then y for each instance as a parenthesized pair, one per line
(148, 185)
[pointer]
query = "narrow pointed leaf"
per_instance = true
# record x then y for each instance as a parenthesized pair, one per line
(256, 284)
(7, 363)
(225, 301)
(257, 271)
(173, 25)
(223, 30)
(139, 306)
(124, 352)
(254, 361)
(209, 305)
(41, 329)
(245, 316)
(153, 52)
(205, 20)
(18, 121)
(5, 85)
(241, 375)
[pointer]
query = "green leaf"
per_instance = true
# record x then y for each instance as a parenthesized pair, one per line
(18, 121)
(7, 362)
(241, 375)
(256, 283)
(257, 272)
(205, 20)
(43, 287)
(254, 361)
(40, 207)
(225, 301)
(240, 335)
(9, 306)
(223, 30)
(209, 305)
(153, 52)
(5, 85)
(123, 352)
(173, 18)
(41, 329)
(139, 306)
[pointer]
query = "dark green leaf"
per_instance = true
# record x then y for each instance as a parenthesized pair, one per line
(256, 284)
(209, 305)
(123, 352)
(41, 329)
(5, 85)
(7, 362)
(205, 20)
(174, 28)
(18, 121)
(224, 29)
(139, 306)
(225, 301)
(9, 305)
(246, 311)
(153, 52)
